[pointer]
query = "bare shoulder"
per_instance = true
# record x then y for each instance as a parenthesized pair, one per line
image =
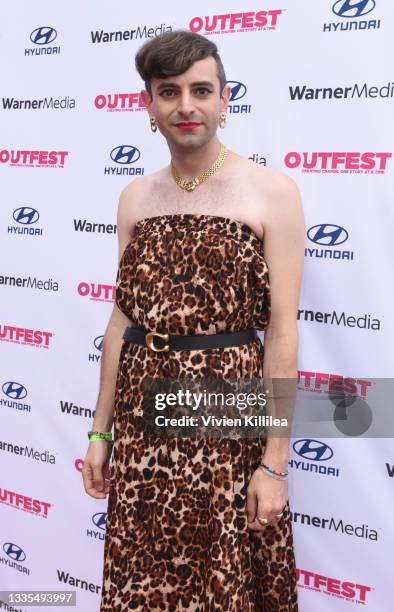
(271, 180)
(141, 185)
(279, 192)
(135, 189)
(134, 197)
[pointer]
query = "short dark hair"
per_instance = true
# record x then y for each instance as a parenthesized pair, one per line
(172, 53)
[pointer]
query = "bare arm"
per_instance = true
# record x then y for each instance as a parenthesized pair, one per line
(112, 345)
(284, 253)
(117, 323)
(95, 471)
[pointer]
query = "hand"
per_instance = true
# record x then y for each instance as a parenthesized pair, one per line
(95, 471)
(266, 497)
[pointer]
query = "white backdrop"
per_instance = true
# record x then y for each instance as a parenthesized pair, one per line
(58, 269)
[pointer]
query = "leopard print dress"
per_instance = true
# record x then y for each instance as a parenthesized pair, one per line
(176, 530)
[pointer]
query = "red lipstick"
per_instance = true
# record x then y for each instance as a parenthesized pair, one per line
(187, 125)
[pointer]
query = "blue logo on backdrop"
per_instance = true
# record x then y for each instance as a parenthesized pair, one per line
(26, 215)
(238, 90)
(352, 12)
(327, 234)
(98, 343)
(350, 9)
(14, 390)
(99, 519)
(313, 453)
(14, 551)
(313, 450)
(43, 35)
(125, 154)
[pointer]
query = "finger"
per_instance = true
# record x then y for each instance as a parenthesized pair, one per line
(255, 526)
(278, 513)
(98, 478)
(251, 506)
(87, 476)
(262, 511)
(89, 482)
(107, 480)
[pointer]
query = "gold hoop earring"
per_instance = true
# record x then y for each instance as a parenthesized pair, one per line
(153, 124)
(222, 119)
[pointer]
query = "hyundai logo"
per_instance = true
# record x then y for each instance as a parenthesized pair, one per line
(352, 8)
(99, 519)
(26, 215)
(238, 90)
(14, 390)
(98, 343)
(43, 35)
(125, 154)
(14, 551)
(327, 234)
(313, 450)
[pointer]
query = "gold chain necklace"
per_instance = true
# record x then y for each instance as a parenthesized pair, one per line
(191, 184)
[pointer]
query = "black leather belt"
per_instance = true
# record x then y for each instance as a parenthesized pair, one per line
(166, 342)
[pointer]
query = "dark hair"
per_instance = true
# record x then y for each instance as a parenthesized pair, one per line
(172, 53)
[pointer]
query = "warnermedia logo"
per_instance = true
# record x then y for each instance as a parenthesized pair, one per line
(339, 526)
(27, 451)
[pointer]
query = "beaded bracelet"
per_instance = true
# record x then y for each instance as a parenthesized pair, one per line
(272, 475)
(100, 435)
(270, 469)
(283, 475)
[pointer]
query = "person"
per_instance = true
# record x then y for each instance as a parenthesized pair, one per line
(210, 250)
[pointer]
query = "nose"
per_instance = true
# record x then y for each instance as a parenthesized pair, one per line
(185, 105)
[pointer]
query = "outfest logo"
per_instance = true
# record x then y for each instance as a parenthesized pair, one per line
(227, 23)
(97, 291)
(33, 159)
(344, 400)
(344, 162)
(23, 335)
(23, 502)
(343, 589)
(118, 102)
(320, 382)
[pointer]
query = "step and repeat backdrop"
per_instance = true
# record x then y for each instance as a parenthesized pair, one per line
(311, 95)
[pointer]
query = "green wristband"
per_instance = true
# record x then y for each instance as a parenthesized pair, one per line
(100, 435)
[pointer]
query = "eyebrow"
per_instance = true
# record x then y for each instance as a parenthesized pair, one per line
(195, 83)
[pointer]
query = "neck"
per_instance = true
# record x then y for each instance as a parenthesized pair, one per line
(192, 162)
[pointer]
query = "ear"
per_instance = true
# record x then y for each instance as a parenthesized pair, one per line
(224, 98)
(146, 98)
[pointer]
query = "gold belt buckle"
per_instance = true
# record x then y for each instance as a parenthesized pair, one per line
(150, 343)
